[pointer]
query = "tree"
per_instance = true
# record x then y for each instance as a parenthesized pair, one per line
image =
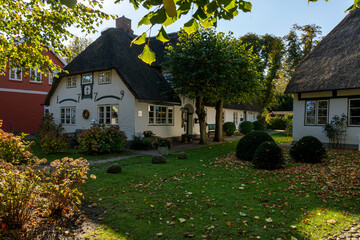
(31, 27)
(76, 46)
(211, 67)
(270, 52)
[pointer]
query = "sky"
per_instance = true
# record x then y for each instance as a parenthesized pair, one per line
(267, 16)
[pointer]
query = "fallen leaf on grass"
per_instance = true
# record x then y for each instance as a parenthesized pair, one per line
(331, 221)
(159, 234)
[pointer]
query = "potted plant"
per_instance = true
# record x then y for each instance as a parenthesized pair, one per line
(148, 133)
(163, 145)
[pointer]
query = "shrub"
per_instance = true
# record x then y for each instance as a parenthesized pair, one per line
(148, 133)
(289, 128)
(276, 122)
(14, 149)
(246, 127)
(229, 128)
(48, 125)
(162, 142)
(308, 149)
(258, 125)
(147, 143)
(136, 143)
(248, 144)
(100, 139)
(268, 156)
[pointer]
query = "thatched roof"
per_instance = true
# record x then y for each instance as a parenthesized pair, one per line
(112, 51)
(334, 63)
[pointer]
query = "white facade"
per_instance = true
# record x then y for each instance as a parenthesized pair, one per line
(335, 106)
(133, 114)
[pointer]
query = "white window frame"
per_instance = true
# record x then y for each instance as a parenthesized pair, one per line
(236, 118)
(169, 115)
(64, 117)
(316, 113)
(349, 112)
(51, 77)
(72, 82)
(83, 77)
(16, 74)
(37, 78)
(102, 119)
(106, 78)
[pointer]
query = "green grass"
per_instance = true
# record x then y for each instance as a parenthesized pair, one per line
(71, 153)
(222, 198)
(281, 138)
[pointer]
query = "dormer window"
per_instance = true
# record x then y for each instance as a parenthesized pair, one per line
(105, 77)
(15, 74)
(71, 82)
(35, 75)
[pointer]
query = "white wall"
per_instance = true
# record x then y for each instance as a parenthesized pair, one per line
(126, 105)
(337, 106)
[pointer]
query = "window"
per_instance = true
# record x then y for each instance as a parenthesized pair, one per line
(235, 118)
(87, 78)
(71, 82)
(35, 76)
(15, 74)
(52, 76)
(68, 115)
(316, 112)
(354, 112)
(108, 114)
(161, 115)
(105, 77)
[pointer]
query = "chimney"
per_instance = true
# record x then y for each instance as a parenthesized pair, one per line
(124, 23)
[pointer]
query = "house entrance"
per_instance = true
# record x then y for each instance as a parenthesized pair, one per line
(188, 119)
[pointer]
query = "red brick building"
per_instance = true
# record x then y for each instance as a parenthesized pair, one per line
(22, 98)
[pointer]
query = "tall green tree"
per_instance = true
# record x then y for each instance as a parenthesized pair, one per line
(31, 27)
(76, 46)
(212, 67)
(270, 52)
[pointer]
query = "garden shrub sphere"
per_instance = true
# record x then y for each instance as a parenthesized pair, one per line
(308, 149)
(248, 144)
(246, 127)
(268, 156)
(229, 128)
(258, 125)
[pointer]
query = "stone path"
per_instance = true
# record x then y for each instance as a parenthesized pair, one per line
(351, 233)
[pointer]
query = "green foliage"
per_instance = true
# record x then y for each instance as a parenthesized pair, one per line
(148, 133)
(289, 127)
(268, 156)
(100, 139)
(308, 149)
(282, 102)
(14, 149)
(258, 125)
(229, 128)
(335, 130)
(51, 139)
(139, 143)
(162, 142)
(275, 122)
(246, 127)
(76, 46)
(248, 144)
(31, 27)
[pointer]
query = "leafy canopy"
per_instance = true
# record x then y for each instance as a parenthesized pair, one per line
(33, 27)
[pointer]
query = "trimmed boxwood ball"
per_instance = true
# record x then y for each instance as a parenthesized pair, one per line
(258, 125)
(248, 144)
(268, 156)
(229, 128)
(246, 127)
(308, 149)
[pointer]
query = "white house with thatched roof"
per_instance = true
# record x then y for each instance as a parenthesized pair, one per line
(108, 83)
(327, 84)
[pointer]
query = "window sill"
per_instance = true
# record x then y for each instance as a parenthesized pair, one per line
(17, 80)
(36, 82)
(160, 125)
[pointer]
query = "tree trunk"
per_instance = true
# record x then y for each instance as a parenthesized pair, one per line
(218, 120)
(200, 111)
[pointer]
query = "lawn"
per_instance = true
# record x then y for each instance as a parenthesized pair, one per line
(210, 195)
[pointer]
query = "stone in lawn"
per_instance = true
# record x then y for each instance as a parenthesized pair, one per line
(182, 155)
(158, 159)
(114, 168)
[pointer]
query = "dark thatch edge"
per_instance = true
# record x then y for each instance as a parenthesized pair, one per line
(334, 63)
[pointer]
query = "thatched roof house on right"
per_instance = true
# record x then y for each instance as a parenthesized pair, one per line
(326, 84)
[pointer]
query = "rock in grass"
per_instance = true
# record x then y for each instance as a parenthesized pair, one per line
(182, 155)
(158, 159)
(114, 168)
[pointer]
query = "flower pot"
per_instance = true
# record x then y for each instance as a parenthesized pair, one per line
(163, 150)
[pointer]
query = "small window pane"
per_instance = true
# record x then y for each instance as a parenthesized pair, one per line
(87, 78)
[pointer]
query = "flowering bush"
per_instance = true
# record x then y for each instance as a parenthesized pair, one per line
(100, 139)
(14, 149)
(162, 142)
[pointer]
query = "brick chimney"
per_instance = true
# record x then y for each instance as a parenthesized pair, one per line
(124, 23)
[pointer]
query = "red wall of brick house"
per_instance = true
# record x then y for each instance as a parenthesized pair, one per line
(22, 102)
